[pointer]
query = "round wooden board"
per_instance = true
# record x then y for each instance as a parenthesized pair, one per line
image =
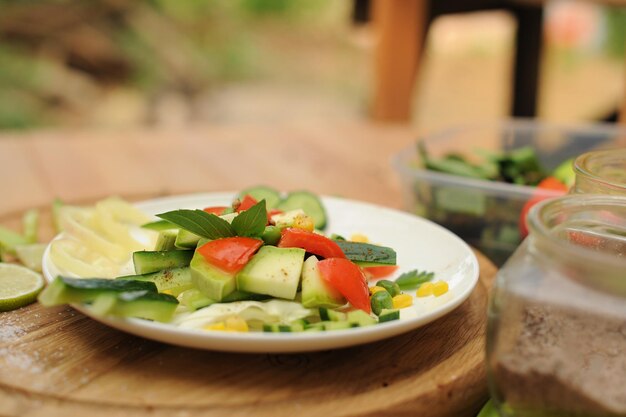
(58, 362)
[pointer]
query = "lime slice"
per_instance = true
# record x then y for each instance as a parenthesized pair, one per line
(31, 255)
(19, 286)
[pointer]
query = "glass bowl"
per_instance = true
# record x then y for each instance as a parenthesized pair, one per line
(486, 214)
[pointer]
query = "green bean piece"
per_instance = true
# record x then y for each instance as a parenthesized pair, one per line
(392, 288)
(380, 301)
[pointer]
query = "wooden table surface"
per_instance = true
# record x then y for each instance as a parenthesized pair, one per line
(58, 362)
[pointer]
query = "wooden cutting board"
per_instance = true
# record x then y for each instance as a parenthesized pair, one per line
(58, 362)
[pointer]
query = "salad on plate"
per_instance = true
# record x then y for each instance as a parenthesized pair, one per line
(260, 264)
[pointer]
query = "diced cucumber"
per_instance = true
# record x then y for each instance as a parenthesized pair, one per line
(310, 203)
(339, 325)
(361, 318)
(210, 280)
(142, 304)
(366, 254)
(388, 315)
(273, 271)
(294, 326)
(82, 290)
(175, 280)
(332, 315)
(166, 240)
(151, 261)
(270, 195)
(316, 292)
(194, 299)
(271, 235)
(160, 225)
(186, 239)
(244, 296)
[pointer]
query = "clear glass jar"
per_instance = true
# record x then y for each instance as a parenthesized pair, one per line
(556, 343)
(601, 172)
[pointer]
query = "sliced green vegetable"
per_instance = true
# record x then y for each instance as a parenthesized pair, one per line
(159, 225)
(146, 262)
(10, 239)
(166, 240)
(186, 240)
(57, 204)
(366, 254)
(141, 304)
(271, 235)
(174, 280)
(388, 315)
(261, 192)
(65, 290)
(309, 202)
(30, 225)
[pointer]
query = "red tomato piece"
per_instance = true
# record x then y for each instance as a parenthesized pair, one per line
(378, 272)
(247, 202)
(217, 210)
(231, 253)
(549, 183)
(347, 278)
(292, 237)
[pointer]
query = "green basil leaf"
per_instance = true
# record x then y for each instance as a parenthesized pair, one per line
(251, 222)
(200, 222)
(413, 279)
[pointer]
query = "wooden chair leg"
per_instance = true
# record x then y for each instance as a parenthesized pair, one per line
(527, 59)
(399, 27)
(622, 112)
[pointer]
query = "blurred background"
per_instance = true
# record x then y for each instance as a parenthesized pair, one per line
(129, 63)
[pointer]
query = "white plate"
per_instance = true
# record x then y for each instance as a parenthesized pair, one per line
(419, 243)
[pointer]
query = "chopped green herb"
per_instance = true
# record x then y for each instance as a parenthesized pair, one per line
(413, 279)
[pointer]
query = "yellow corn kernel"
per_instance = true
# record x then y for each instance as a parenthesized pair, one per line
(440, 288)
(358, 237)
(216, 326)
(402, 301)
(236, 324)
(169, 292)
(303, 222)
(425, 289)
(374, 290)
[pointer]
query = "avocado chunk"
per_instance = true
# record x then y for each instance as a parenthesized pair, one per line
(211, 280)
(273, 271)
(316, 292)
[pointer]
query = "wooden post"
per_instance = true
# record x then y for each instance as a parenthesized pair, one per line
(622, 112)
(400, 32)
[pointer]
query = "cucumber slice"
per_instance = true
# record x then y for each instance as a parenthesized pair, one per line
(142, 304)
(388, 315)
(366, 254)
(166, 240)
(186, 239)
(175, 280)
(261, 192)
(81, 290)
(331, 315)
(309, 202)
(151, 261)
(160, 225)
(361, 318)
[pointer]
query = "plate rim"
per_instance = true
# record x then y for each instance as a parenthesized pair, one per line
(265, 342)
